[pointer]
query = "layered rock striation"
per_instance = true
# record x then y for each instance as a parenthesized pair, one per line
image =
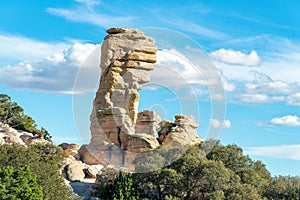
(118, 130)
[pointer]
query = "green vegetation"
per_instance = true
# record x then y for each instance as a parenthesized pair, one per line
(121, 188)
(222, 174)
(19, 184)
(13, 115)
(44, 162)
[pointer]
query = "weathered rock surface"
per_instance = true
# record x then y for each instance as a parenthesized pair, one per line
(9, 135)
(118, 130)
(184, 134)
(166, 127)
(127, 60)
(70, 149)
(75, 171)
(148, 123)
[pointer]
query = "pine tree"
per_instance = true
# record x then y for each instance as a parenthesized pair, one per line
(19, 184)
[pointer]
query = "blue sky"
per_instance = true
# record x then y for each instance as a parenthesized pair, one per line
(47, 46)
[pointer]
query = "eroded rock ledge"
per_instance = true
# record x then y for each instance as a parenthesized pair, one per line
(127, 59)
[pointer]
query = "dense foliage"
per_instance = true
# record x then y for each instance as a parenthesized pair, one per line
(44, 162)
(13, 115)
(120, 188)
(19, 184)
(223, 173)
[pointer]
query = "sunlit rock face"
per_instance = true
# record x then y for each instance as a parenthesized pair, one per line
(118, 130)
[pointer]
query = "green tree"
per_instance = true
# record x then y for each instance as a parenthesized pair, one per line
(121, 188)
(224, 173)
(44, 161)
(13, 115)
(250, 172)
(239, 191)
(19, 184)
(284, 187)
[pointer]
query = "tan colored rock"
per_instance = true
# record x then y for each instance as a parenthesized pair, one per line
(88, 155)
(141, 142)
(147, 122)
(75, 171)
(70, 149)
(66, 146)
(166, 127)
(180, 136)
(141, 56)
(92, 171)
(127, 60)
(118, 130)
(184, 134)
(185, 121)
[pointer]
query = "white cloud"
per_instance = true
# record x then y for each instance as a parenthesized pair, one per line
(175, 71)
(288, 120)
(17, 48)
(84, 12)
(215, 123)
(294, 99)
(276, 79)
(54, 74)
(236, 57)
(283, 151)
(274, 87)
(228, 87)
(264, 84)
(259, 98)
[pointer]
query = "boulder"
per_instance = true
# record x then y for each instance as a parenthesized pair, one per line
(86, 155)
(93, 170)
(184, 134)
(75, 171)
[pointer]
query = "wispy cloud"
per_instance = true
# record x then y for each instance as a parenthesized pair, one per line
(85, 12)
(291, 152)
(192, 27)
(259, 98)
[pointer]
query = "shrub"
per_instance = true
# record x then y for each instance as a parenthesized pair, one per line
(44, 162)
(19, 184)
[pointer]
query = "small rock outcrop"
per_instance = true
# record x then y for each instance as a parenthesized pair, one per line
(70, 149)
(184, 134)
(9, 135)
(118, 130)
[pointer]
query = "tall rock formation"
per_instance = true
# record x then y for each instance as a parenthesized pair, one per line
(127, 60)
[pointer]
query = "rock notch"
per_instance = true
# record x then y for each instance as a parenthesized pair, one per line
(127, 59)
